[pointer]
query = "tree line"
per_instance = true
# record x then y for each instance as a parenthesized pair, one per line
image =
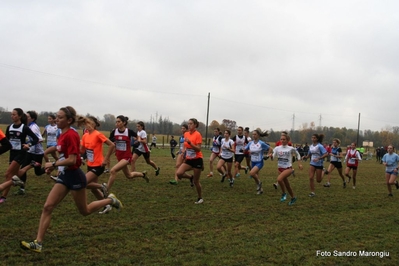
(164, 126)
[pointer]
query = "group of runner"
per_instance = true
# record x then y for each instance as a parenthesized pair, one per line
(24, 140)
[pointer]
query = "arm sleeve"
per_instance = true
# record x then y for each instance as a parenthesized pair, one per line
(5, 145)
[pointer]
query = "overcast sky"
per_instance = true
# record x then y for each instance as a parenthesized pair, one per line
(263, 62)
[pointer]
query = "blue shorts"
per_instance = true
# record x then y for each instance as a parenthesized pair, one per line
(392, 172)
(257, 164)
(72, 179)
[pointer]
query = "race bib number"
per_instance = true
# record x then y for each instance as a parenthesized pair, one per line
(16, 144)
(51, 138)
(255, 157)
(120, 146)
(190, 153)
(352, 161)
(90, 155)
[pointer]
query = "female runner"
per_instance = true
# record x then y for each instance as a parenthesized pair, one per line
(121, 136)
(390, 160)
(193, 157)
(143, 149)
(179, 155)
(215, 150)
(17, 134)
(256, 147)
(226, 157)
(352, 159)
(284, 154)
(317, 153)
(335, 162)
(70, 179)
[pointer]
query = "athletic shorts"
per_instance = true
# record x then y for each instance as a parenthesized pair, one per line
(352, 167)
(238, 157)
(72, 179)
(258, 164)
(18, 156)
(195, 163)
(317, 167)
(337, 165)
(229, 160)
(392, 173)
(280, 170)
(146, 155)
(97, 170)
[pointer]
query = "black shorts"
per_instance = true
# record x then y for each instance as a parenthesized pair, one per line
(317, 167)
(73, 179)
(146, 155)
(97, 170)
(18, 156)
(337, 165)
(195, 163)
(227, 160)
(238, 157)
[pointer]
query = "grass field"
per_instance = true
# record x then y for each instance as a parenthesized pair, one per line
(161, 225)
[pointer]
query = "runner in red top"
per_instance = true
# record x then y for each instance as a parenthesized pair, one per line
(71, 178)
(193, 157)
(121, 136)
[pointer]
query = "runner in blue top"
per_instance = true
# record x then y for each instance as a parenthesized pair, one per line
(317, 153)
(256, 147)
(390, 160)
(335, 162)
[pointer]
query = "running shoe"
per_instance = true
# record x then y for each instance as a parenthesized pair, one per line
(106, 209)
(209, 175)
(238, 175)
(20, 191)
(275, 185)
(293, 172)
(2, 200)
(231, 182)
(106, 171)
(16, 181)
(146, 177)
(283, 197)
(260, 191)
(312, 194)
(246, 169)
(32, 246)
(199, 201)
(157, 171)
(344, 185)
(327, 184)
(396, 184)
(349, 180)
(104, 190)
(354, 187)
(173, 182)
(259, 186)
(115, 202)
(326, 172)
(223, 177)
(292, 201)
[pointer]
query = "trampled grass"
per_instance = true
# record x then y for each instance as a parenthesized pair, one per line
(161, 225)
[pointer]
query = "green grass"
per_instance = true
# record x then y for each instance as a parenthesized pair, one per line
(161, 225)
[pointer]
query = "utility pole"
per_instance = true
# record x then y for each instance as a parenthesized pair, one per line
(207, 120)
